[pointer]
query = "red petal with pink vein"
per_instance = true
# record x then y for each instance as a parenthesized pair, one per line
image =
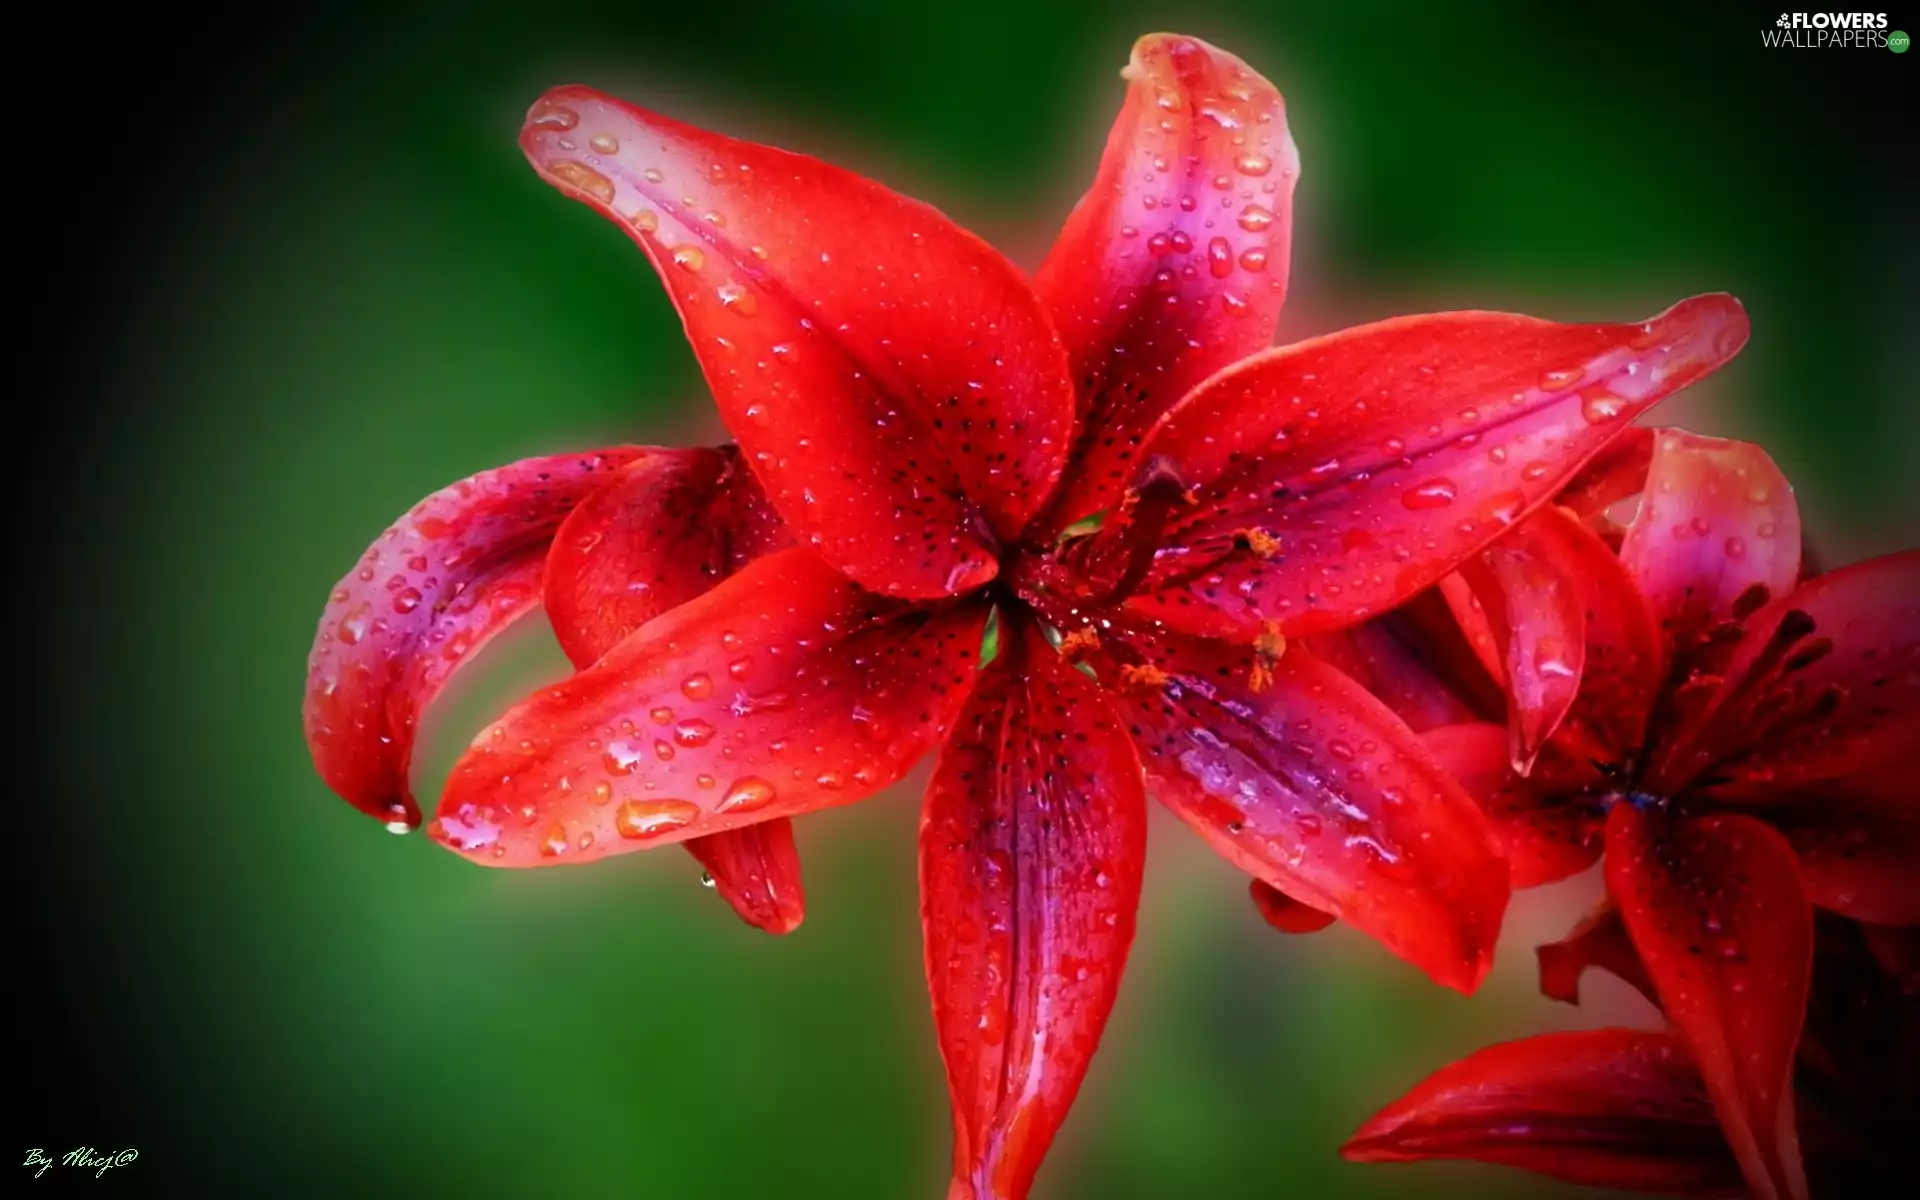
(783, 690)
(668, 528)
(1611, 1108)
(1825, 685)
(892, 380)
(1717, 518)
(1717, 911)
(1599, 940)
(461, 566)
(1032, 845)
(1174, 264)
(1315, 787)
(1548, 828)
(1285, 913)
(1335, 478)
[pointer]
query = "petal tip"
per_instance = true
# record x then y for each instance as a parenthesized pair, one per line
(1714, 324)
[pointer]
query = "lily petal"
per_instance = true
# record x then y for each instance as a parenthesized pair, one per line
(1372, 462)
(1174, 264)
(1858, 854)
(1599, 940)
(756, 869)
(1315, 787)
(1824, 685)
(1528, 586)
(1720, 918)
(1416, 660)
(1572, 633)
(461, 566)
(1617, 472)
(1285, 913)
(1549, 833)
(1611, 1108)
(892, 380)
(783, 690)
(1032, 846)
(667, 528)
(1717, 518)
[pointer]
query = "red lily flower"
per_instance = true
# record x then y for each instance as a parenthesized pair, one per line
(1738, 746)
(933, 432)
(1628, 1108)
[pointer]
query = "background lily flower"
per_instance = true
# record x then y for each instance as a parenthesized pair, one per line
(931, 432)
(1738, 743)
(1628, 1108)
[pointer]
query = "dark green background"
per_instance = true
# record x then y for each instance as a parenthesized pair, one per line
(293, 275)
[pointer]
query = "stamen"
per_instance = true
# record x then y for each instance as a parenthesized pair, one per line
(1259, 541)
(1149, 509)
(1143, 680)
(1268, 647)
(1076, 645)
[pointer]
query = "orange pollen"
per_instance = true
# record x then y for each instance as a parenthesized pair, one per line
(1142, 679)
(1268, 647)
(1078, 643)
(1262, 543)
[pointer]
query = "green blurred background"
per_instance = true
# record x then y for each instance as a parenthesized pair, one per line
(297, 276)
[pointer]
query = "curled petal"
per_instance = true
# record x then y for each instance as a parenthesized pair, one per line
(1174, 264)
(1824, 685)
(1612, 1108)
(1469, 422)
(456, 570)
(1032, 845)
(1717, 518)
(1572, 635)
(1600, 940)
(1285, 913)
(1546, 826)
(1528, 587)
(667, 528)
(1717, 911)
(1617, 472)
(893, 382)
(783, 690)
(1313, 786)
(757, 869)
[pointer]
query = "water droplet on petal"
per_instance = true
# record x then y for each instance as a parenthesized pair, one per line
(1434, 493)
(604, 143)
(748, 793)
(697, 686)
(694, 732)
(643, 819)
(583, 178)
(1255, 217)
(554, 116)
